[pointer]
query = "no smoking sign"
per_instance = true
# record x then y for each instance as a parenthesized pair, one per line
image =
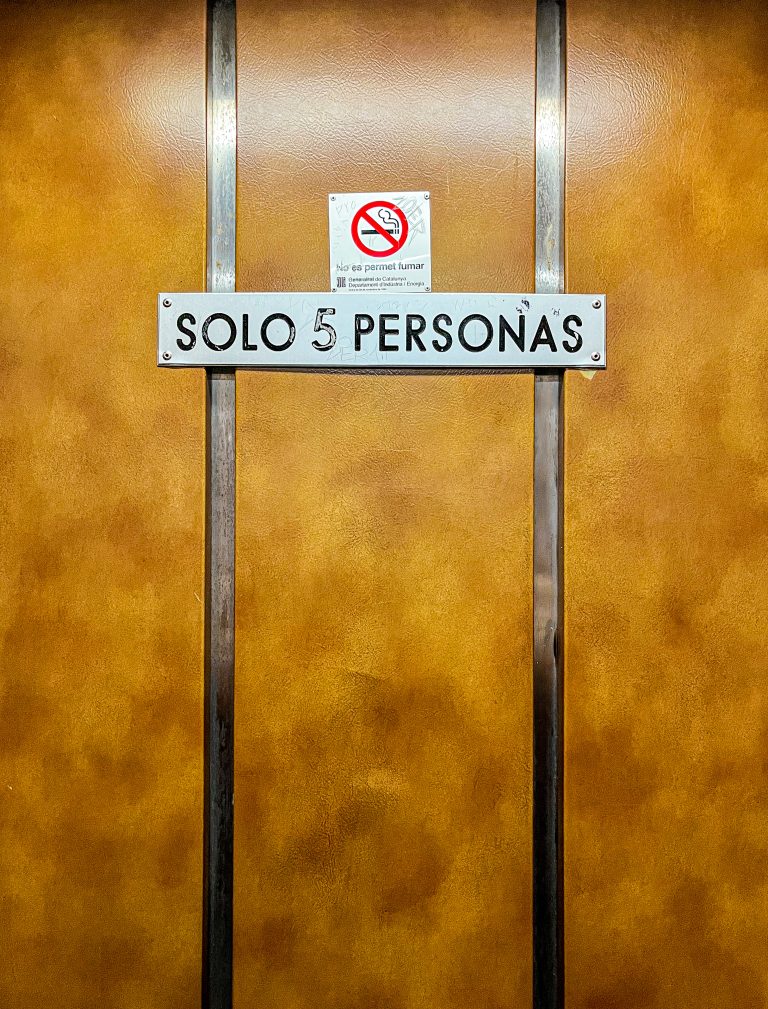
(380, 242)
(379, 229)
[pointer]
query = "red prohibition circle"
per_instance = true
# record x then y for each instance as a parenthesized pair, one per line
(364, 216)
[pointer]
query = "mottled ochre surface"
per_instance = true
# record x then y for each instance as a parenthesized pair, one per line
(102, 190)
(384, 524)
(667, 511)
(384, 539)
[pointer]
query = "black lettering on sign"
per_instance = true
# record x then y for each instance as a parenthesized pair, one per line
(544, 335)
(488, 332)
(359, 331)
(186, 317)
(414, 327)
(324, 327)
(505, 330)
(247, 345)
(232, 331)
(438, 324)
(570, 331)
(385, 331)
(278, 316)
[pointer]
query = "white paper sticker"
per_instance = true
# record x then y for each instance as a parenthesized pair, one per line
(380, 242)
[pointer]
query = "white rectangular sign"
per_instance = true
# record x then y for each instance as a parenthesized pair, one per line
(380, 242)
(314, 331)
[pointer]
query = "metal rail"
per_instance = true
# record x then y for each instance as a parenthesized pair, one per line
(548, 946)
(218, 827)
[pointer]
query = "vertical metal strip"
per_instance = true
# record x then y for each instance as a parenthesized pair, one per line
(548, 947)
(218, 829)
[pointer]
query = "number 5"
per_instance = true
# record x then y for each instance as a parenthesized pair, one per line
(327, 327)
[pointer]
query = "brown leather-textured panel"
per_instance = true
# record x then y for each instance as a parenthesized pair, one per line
(103, 197)
(383, 743)
(384, 533)
(667, 501)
